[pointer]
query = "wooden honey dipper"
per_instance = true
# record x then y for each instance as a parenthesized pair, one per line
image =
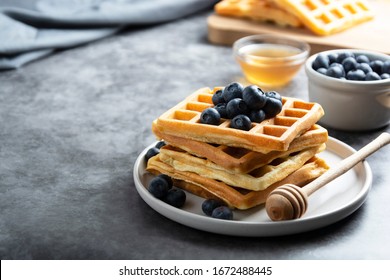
(289, 202)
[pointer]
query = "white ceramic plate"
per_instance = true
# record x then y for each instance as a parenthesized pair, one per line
(328, 205)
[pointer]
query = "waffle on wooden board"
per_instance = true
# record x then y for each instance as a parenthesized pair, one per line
(322, 17)
(258, 10)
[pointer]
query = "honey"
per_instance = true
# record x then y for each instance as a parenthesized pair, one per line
(269, 64)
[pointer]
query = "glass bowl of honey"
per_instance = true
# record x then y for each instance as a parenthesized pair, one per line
(270, 60)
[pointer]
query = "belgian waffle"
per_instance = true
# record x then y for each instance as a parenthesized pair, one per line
(275, 134)
(258, 10)
(241, 160)
(258, 179)
(234, 197)
(326, 17)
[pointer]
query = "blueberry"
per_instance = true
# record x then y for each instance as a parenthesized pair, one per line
(218, 97)
(210, 116)
(321, 70)
(385, 76)
(386, 67)
(160, 144)
(349, 64)
(222, 212)
(272, 107)
(356, 75)
(254, 97)
(332, 57)
(236, 107)
(376, 66)
(231, 91)
(321, 61)
(242, 122)
(151, 153)
(335, 71)
(221, 108)
(362, 59)
(274, 94)
(175, 197)
(209, 205)
(372, 76)
(365, 67)
(257, 116)
(158, 187)
(167, 179)
(344, 55)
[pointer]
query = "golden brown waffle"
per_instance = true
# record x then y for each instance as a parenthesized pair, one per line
(326, 17)
(258, 179)
(258, 10)
(275, 134)
(241, 160)
(234, 197)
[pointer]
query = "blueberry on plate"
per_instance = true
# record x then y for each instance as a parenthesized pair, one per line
(158, 187)
(160, 144)
(257, 116)
(241, 122)
(272, 107)
(372, 76)
(221, 108)
(321, 61)
(356, 75)
(376, 66)
(236, 107)
(222, 212)
(233, 90)
(335, 71)
(218, 97)
(254, 97)
(151, 153)
(210, 116)
(167, 179)
(175, 197)
(210, 204)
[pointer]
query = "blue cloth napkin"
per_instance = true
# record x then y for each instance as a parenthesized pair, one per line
(32, 30)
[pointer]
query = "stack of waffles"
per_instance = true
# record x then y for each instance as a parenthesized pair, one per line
(322, 17)
(236, 166)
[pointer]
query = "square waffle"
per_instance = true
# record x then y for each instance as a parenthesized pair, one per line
(326, 17)
(296, 117)
(259, 179)
(241, 160)
(258, 10)
(234, 197)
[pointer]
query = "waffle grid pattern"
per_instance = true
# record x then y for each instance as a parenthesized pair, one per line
(325, 16)
(277, 133)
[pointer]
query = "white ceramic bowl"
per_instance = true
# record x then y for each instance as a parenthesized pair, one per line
(350, 105)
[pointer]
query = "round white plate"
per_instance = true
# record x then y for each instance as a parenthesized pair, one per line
(328, 205)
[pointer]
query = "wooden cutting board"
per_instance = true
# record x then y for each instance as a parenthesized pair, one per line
(372, 35)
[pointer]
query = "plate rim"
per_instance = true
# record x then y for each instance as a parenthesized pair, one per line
(258, 229)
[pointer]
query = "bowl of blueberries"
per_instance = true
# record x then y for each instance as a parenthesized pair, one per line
(353, 87)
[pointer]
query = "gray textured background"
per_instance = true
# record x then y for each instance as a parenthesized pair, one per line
(72, 125)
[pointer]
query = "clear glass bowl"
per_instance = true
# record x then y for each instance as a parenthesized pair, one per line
(269, 60)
